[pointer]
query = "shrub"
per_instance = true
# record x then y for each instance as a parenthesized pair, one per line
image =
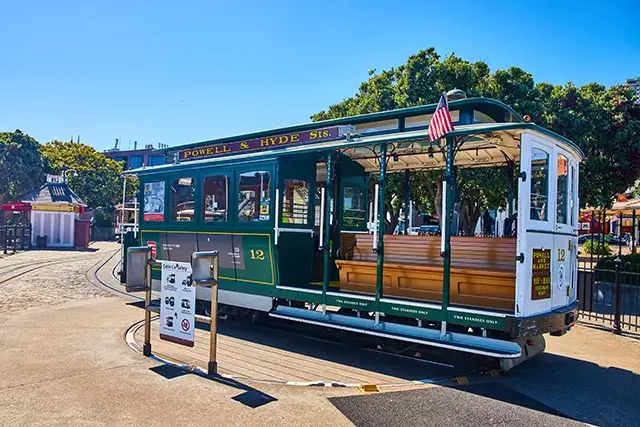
(596, 247)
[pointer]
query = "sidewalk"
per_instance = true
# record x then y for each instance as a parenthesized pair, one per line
(68, 365)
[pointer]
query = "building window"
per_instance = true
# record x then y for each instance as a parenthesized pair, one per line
(539, 184)
(125, 164)
(254, 196)
(215, 198)
(295, 202)
(153, 201)
(156, 160)
(182, 199)
(353, 212)
(562, 190)
(136, 162)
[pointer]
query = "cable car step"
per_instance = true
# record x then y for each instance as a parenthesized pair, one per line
(452, 340)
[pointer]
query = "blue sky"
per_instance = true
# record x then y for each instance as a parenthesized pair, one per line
(179, 72)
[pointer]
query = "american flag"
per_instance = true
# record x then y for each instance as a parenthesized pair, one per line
(441, 123)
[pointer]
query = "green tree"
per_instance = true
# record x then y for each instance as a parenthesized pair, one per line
(97, 182)
(21, 165)
(605, 123)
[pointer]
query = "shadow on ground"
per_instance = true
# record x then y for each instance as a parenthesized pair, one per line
(250, 397)
(348, 354)
(549, 390)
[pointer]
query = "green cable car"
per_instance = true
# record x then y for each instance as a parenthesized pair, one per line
(295, 214)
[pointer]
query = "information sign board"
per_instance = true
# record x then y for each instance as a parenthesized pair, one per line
(177, 303)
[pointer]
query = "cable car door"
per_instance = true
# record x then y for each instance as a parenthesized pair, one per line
(295, 220)
(565, 243)
(535, 234)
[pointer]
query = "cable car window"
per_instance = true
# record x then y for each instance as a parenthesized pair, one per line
(295, 202)
(562, 191)
(182, 199)
(353, 211)
(254, 196)
(539, 184)
(153, 209)
(215, 198)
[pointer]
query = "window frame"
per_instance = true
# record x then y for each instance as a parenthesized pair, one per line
(310, 203)
(567, 191)
(228, 172)
(169, 197)
(364, 187)
(549, 152)
(254, 167)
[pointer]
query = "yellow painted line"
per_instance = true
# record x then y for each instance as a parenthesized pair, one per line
(368, 388)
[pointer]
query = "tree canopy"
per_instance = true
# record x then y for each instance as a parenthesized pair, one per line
(97, 181)
(604, 122)
(21, 165)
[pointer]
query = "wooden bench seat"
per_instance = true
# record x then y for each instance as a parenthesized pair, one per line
(483, 270)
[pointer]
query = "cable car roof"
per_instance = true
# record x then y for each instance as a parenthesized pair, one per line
(489, 144)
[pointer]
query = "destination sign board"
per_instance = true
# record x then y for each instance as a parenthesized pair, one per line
(260, 144)
(541, 274)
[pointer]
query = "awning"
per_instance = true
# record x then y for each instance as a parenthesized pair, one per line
(16, 207)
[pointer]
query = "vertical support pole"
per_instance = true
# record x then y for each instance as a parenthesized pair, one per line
(212, 366)
(146, 349)
(446, 235)
(381, 217)
(602, 230)
(124, 195)
(510, 187)
(620, 233)
(135, 217)
(617, 329)
(327, 231)
(633, 231)
(405, 192)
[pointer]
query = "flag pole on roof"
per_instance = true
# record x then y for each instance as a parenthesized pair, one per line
(441, 122)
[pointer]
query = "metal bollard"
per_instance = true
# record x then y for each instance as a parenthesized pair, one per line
(618, 290)
(205, 273)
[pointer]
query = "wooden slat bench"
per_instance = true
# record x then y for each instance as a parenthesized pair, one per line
(483, 270)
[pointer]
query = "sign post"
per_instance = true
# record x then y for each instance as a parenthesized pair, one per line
(177, 302)
(138, 274)
(205, 273)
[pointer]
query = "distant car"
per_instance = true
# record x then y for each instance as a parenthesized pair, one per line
(608, 238)
(429, 230)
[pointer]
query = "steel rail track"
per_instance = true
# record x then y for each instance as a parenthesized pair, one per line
(37, 265)
(297, 330)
